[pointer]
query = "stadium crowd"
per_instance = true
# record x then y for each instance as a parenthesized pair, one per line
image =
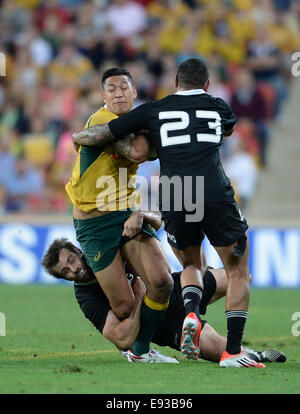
(55, 51)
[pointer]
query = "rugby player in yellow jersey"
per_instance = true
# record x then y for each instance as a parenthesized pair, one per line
(103, 195)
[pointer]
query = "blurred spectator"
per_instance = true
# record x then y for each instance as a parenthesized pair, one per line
(126, 17)
(70, 67)
(23, 182)
(51, 9)
(152, 54)
(218, 88)
(39, 49)
(26, 71)
(248, 102)
(58, 104)
(38, 145)
(242, 170)
(108, 47)
(265, 62)
(7, 159)
(284, 32)
(166, 83)
(14, 19)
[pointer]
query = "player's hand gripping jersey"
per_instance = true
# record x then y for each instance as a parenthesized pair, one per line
(187, 130)
(95, 182)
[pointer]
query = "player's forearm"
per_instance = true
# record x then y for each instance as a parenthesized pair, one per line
(128, 329)
(134, 148)
(96, 136)
(124, 147)
(130, 149)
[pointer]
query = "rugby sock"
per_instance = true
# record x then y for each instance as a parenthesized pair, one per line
(151, 315)
(236, 320)
(192, 295)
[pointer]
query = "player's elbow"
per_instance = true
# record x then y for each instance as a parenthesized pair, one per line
(120, 337)
(124, 343)
(123, 340)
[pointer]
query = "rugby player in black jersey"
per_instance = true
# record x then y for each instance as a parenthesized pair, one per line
(65, 260)
(187, 129)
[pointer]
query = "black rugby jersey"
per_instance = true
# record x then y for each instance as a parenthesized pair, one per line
(95, 306)
(93, 301)
(186, 129)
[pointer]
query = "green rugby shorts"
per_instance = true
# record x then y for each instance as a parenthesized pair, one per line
(101, 237)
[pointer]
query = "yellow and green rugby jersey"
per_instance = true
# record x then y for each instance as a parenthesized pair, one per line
(101, 179)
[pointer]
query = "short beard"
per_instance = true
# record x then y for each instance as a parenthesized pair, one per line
(89, 273)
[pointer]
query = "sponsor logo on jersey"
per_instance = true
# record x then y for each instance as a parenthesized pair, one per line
(97, 257)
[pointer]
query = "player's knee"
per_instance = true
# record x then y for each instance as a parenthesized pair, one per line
(240, 273)
(162, 284)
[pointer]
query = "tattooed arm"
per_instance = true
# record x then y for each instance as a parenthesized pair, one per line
(101, 135)
(96, 136)
(134, 148)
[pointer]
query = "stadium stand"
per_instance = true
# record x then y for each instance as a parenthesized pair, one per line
(55, 51)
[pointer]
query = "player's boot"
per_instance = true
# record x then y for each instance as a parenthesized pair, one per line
(241, 360)
(150, 357)
(190, 338)
(271, 355)
(124, 353)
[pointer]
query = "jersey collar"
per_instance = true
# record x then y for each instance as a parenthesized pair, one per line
(191, 92)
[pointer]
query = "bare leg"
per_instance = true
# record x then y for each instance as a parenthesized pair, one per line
(145, 256)
(237, 270)
(237, 295)
(193, 262)
(192, 286)
(212, 344)
(116, 287)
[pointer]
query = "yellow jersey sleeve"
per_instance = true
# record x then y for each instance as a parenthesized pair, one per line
(102, 180)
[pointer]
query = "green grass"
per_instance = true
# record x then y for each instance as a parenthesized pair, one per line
(50, 348)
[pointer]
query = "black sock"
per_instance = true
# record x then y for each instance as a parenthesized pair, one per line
(235, 328)
(191, 295)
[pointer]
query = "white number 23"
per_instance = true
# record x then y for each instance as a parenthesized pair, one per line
(183, 122)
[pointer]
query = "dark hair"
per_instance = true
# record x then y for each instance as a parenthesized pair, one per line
(192, 73)
(116, 71)
(51, 258)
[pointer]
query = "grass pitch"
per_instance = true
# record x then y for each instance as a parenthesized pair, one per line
(50, 348)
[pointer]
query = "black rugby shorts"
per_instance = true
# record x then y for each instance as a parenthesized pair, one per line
(222, 224)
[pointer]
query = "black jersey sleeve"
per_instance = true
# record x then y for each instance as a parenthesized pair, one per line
(133, 122)
(227, 115)
(95, 312)
(93, 303)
